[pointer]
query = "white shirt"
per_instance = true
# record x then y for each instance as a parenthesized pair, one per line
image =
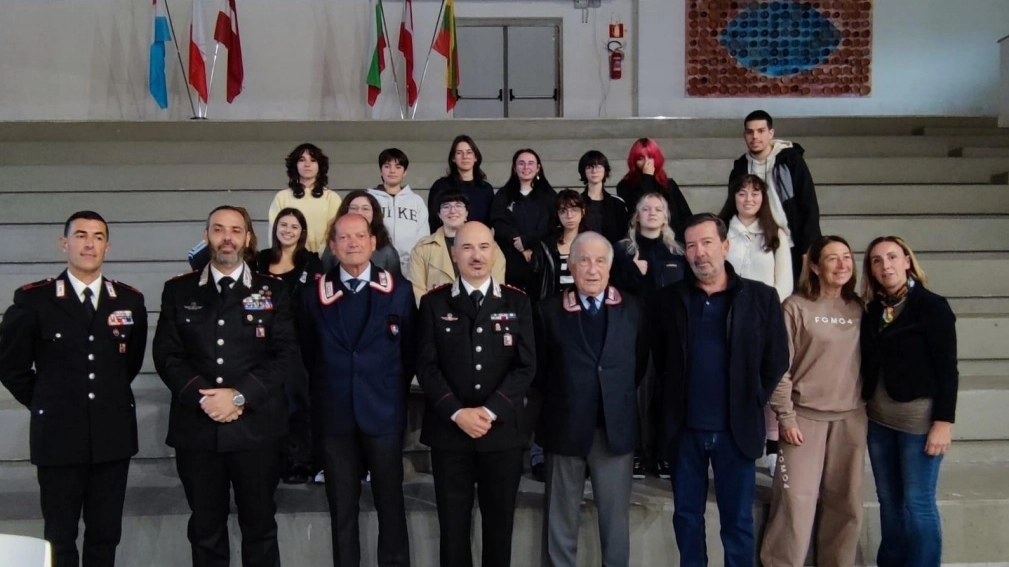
(599, 299)
(751, 261)
(235, 274)
(365, 277)
(79, 287)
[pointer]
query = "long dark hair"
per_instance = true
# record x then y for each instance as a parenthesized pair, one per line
(275, 252)
(765, 219)
(294, 180)
(513, 187)
(377, 223)
(567, 199)
(453, 170)
(809, 281)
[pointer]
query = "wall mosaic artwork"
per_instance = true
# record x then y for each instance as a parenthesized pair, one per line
(817, 48)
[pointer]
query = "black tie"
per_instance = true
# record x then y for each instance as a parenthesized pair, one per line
(89, 306)
(352, 284)
(477, 296)
(226, 282)
(593, 308)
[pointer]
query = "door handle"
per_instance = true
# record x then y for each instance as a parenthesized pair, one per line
(500, 96)
(512, 96)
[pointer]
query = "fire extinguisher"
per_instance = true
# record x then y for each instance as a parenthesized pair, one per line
(616, 50)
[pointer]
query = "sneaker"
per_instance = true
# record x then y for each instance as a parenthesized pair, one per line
(639, 468)
(297, 474)
(367, 477)
(320, 477)
(772, 463)
(663, 470)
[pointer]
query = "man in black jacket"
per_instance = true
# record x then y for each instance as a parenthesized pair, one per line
(781, 165)
(590, 411)
(475, 362)
(720, 349)
(69, 349)
(224, 346)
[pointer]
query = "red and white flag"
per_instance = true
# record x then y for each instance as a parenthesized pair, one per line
(198, 40)
(226, 33)
(406, 48)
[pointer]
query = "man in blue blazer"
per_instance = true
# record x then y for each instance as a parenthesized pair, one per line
(358, 349)
(590, 409)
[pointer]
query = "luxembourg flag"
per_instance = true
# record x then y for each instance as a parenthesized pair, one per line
(160, 36)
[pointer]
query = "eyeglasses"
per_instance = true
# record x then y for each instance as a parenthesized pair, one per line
(569, 211)
(446, 207)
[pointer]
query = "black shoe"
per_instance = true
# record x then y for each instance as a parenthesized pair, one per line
(639, 469)
(539, 472)
(297, 474)
(662, 468)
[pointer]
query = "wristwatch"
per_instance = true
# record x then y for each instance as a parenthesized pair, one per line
(238, 399)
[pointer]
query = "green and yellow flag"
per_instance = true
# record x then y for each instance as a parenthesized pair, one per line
(445, 44)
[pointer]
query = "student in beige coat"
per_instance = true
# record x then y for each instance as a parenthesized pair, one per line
(821, 415)
(430, 262)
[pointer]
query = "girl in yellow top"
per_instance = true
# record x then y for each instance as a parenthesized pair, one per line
(308, 174)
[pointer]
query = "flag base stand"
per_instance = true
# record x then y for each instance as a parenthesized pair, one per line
(197, 117)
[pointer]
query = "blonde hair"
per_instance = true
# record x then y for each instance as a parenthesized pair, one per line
(871, 287)
(667, 234)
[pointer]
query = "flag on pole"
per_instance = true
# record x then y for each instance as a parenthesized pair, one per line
(377, 57)
(160, 35)
(445, 44)
(406, 48)
(197, 51)
(226, 33)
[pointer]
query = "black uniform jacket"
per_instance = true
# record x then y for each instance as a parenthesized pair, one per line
(469, 358)
(78, 392)
(575, 383)
(246, 342)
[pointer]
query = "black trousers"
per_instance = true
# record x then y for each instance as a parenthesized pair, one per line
(96, 490)
(496, 475)
(207, 478)
(298, 450)
(344, 459)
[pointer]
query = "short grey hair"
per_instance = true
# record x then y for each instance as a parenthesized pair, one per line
(586, 236)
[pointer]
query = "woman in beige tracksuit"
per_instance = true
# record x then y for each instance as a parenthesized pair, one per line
(822, 416)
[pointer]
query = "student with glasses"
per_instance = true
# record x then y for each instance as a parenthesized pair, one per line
(464, 176)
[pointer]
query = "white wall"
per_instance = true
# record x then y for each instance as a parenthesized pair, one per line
(304, 59)
(929, 57)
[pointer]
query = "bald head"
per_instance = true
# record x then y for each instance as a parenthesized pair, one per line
(473, 252)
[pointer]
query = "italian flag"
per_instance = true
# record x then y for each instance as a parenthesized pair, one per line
(445, 44)
(378, 57)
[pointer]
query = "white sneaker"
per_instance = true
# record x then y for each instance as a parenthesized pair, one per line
(772, 463)
(320, 477)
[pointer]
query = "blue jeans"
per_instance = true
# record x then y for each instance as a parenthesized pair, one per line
(735, 480)
(906, 478)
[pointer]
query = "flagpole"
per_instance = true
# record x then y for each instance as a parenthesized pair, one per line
(210, 85)
(178, 53)
(392, 61)
(420, 86)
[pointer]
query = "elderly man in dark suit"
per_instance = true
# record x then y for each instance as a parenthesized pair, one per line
(358, 349)
(589, 418)
(475, 362)
(224, 346)
(70, 347)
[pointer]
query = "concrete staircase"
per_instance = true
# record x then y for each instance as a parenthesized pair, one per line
(939, 182)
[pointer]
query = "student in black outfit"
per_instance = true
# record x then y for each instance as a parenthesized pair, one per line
(605, 212)
(550, 259)
(289, 260)
(649, 259)
(646, 174)
(522, 215)
(466, 177)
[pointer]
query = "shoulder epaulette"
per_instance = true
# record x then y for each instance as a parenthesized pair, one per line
(513, 288)
(127, 286)
(184, 274)
(39, 283)
(437, 287)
